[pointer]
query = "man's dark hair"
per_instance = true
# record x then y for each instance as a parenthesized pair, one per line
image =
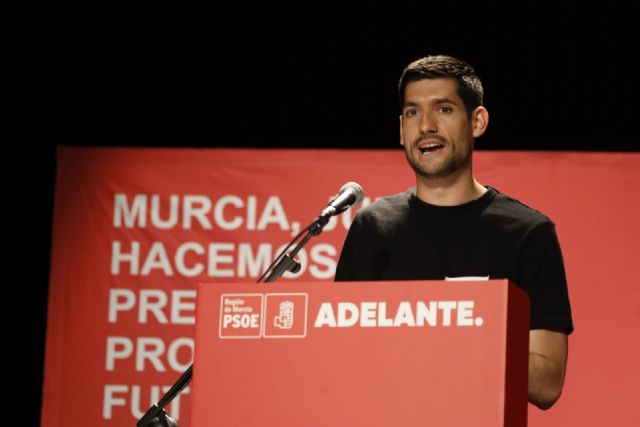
(443, 66)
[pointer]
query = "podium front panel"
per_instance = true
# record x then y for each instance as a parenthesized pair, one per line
(360, 354)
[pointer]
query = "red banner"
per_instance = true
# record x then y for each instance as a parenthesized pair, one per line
(135, 230)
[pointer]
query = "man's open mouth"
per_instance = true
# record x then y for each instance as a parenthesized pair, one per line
(430, 148)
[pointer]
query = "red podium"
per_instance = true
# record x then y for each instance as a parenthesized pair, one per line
(367, 354)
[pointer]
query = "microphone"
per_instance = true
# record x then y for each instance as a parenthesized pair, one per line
(349, 195)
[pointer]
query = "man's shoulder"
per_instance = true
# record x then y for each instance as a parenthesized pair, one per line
(388, 204)
(386, 210)
(511, 208)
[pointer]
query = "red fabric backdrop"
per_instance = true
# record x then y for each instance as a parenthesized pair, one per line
(136, 229)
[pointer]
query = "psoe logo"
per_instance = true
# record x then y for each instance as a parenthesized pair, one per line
(241, 315)
(285, 316)
(284, 320)
(263, 315)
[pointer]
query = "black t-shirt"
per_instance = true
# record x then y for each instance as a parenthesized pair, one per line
(400, 237)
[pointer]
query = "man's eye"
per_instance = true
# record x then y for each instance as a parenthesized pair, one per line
(411, 112)
(445, 109)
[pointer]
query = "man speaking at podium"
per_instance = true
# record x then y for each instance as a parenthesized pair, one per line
(451, 226)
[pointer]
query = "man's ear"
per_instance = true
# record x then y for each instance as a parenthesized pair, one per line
(401, 138)
(479, 121)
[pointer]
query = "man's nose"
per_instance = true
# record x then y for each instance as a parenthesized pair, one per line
(428, 124)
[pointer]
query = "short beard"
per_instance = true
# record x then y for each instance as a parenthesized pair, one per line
(451, 165)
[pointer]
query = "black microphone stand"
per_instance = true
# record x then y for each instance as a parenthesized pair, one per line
(287, 261)
(155, 415)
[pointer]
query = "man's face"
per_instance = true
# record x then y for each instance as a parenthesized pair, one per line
(435, 129)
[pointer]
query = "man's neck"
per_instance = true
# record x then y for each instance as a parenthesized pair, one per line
(452, 190)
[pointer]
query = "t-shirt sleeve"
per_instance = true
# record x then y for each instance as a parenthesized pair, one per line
(346, 269)
(542, 275)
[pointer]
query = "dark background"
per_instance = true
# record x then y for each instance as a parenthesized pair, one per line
(556, 77)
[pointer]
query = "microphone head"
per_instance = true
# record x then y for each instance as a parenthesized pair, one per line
(356, 189)
(349, 195)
